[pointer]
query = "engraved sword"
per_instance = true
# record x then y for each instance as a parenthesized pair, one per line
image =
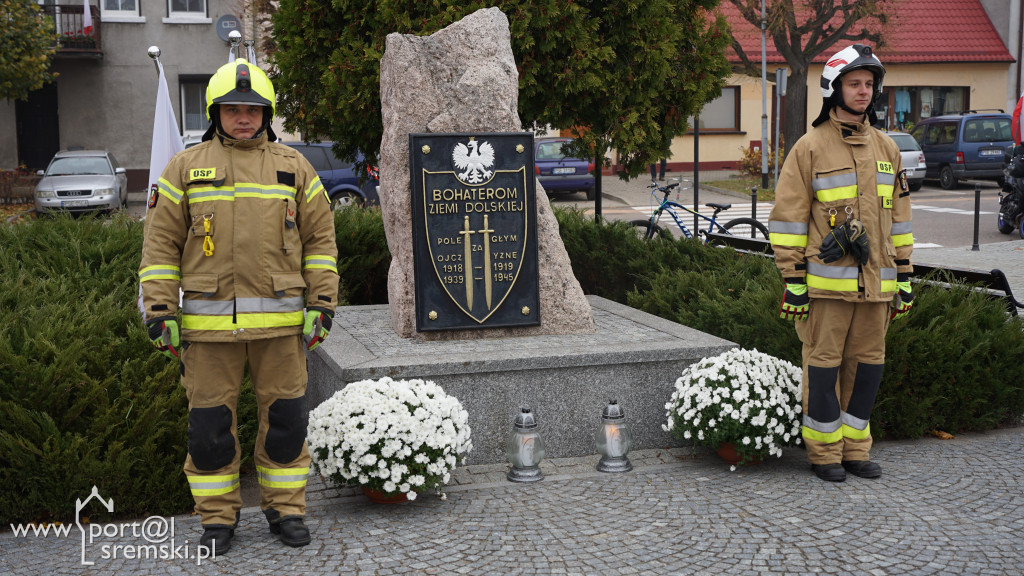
(486, 231)
(467, 266)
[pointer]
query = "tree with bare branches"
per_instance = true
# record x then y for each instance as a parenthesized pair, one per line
(803, 29)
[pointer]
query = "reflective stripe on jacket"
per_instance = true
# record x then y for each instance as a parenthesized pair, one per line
(834, 167)
(245, 230)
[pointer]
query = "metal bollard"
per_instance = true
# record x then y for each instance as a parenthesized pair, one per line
(753, 210)
(977, 215)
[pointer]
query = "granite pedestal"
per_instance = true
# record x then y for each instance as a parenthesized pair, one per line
(633, 357)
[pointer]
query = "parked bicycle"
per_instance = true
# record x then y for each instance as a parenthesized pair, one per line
(649, 228)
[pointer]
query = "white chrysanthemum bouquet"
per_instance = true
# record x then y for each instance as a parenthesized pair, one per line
(743, 397)
(392, 436)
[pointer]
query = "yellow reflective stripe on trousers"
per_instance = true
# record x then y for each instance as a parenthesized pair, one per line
(321, 262)
(827, 432)
(824, 437)
(855, 428)
(160, 272)
(282, 477)
(838, 187)
(837, 278)
(212, 485)
(249, 321)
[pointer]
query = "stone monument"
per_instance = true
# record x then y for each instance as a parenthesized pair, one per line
(461, 79)
(585, 351)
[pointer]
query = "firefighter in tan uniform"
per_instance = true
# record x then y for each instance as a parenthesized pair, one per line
(243, 227)
(842, 237)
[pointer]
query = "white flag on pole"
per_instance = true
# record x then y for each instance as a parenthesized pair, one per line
(166, 138)
(86, 19)
(166, 143)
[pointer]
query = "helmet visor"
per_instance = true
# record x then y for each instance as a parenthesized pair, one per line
(238, 97)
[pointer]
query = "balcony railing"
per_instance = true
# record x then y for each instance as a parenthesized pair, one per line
(71, 29)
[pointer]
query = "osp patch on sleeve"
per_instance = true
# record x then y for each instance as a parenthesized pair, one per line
(197, 174)
(886, 167)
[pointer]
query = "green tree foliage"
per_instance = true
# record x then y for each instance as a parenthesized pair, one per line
(627, 72)
(803, 29)
(27, 43)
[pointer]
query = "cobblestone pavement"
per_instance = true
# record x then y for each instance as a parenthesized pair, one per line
(943, 507)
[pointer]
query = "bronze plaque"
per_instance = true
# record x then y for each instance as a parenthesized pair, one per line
(474, 230)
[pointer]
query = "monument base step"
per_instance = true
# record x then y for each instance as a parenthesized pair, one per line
(633, 357)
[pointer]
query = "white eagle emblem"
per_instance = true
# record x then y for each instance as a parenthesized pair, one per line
(475, 163)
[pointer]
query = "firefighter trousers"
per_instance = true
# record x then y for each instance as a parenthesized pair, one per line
(212, 375)
(843, 358)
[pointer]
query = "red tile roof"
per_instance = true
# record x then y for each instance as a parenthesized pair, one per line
(918, 31)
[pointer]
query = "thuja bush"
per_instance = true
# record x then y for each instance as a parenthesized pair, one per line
(610, 259)
(363, 256)
(84, 398)
(729, 295)
(952, 364)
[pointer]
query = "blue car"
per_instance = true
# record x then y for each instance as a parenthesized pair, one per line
(340, 178)
(964, 146)
(559, 173)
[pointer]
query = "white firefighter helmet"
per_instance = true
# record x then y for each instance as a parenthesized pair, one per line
(856, 57)
(851, 58)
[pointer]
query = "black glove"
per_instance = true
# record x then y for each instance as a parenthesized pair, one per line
(858, 241)
(836, 244)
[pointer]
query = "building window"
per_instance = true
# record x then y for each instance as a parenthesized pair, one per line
(127, 8)
(188, 8)
(721, 114)
(193, 105)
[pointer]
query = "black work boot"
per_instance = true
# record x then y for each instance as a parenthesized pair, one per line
(829, 472)
(863, 468)
(217, 537)
(290, 529)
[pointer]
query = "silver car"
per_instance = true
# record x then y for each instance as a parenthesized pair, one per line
(913, 158)
(82, 181)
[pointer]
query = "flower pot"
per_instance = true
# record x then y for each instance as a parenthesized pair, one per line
(727, 451)
(383, 497)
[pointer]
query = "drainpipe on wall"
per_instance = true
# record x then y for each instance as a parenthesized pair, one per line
(1019, 48)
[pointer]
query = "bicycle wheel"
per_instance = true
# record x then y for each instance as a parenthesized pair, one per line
(644, 230)
(744, 226)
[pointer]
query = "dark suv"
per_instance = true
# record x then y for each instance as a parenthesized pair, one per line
(339, 178)
(961, 146)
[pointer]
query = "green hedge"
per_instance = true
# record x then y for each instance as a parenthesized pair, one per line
(84, 399)
(952, 364)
